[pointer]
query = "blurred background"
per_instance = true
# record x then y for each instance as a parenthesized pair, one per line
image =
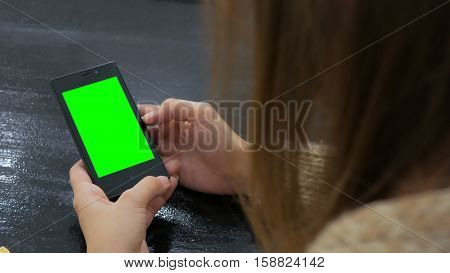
(162, 50)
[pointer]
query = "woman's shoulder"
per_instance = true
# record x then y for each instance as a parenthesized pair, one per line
(412, 223)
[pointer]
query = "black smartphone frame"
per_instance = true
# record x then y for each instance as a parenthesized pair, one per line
(116, 183)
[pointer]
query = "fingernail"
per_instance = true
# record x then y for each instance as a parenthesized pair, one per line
(164, 179)
(176, 177)
(150, 115)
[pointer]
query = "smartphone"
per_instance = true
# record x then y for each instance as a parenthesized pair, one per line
(106, 126)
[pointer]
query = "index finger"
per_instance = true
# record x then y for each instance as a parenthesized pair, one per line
(170, 109)
(147, 108)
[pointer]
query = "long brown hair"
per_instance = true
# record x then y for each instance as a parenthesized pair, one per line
(378, 75)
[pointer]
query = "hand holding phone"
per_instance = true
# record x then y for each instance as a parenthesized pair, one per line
(96, 102)
(119, 226)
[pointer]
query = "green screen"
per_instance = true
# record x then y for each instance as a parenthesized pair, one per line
(107, 126)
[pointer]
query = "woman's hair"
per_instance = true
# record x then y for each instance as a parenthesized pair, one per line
(377, 73)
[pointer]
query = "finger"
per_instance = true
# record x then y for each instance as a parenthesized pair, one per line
(173, 185)
(144, 247)
(175, 137)
(173, 166)
(84, 191)
(153, 132)
(147, 108)
(145, 191)
(156, 204)
(79, 177)
(151, 118)
(171, 109)
(168, 134)
(171, 131)
(183, 110)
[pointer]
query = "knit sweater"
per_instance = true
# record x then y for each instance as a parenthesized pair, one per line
(414, 223)
(411, 223)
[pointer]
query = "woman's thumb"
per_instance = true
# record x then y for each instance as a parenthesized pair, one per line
(145, 191)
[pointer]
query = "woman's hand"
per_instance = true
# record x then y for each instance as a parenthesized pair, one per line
(119, 226)
(209, 155)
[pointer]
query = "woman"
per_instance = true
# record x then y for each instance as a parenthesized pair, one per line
(378, 75)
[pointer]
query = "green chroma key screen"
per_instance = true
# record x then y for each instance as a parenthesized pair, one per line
(107, 126)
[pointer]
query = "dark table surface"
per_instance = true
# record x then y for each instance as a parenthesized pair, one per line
(159, 45)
